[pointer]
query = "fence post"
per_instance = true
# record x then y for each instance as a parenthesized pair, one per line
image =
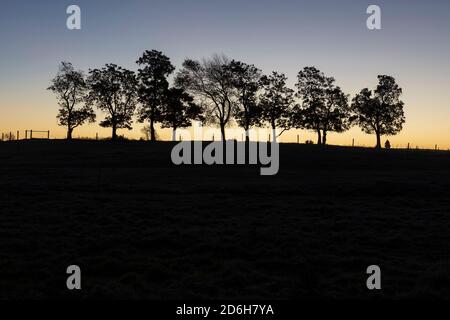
(10, 136)
(48, 135)
(17, 135)
(3, 136)
(353, 142)
(298, 139)
(31, 134)
(96, 136)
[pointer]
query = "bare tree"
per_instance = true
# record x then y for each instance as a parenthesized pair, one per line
(211, 81)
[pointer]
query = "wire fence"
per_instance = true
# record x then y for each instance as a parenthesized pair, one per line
(26, 135)
(45, 135)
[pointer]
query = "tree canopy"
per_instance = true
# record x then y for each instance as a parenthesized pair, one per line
(179, 109)
(381, 111)
(276, 102)
(324, 106)
(246, 80)
(70, 88)
(154, 69)
(113, 90)
(222, 92)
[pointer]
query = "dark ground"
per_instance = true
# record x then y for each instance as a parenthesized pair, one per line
(140, 227)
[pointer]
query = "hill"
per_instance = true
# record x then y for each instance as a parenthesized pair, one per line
(141, 227)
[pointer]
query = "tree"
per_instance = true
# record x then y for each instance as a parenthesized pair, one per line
(311, 86)
(153, 84)
(324, 106)
(246, 80)
(210, 81)
(381, 111)
(179, 110)
(69, 85)
(145, 130)
(276, 102)
(337, 112)
(113, 90)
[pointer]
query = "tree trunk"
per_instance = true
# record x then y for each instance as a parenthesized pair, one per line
(174, 134)
(114, 131)
(152, 130)
(324, 138)
(69, 133)
(319, 137)
(274, 134)
(378, 146)
(247, 144)
(222, 131)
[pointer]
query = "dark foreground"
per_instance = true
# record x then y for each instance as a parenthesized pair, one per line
(140, 227)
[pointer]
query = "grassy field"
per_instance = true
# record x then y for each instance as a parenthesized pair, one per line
(140, 227)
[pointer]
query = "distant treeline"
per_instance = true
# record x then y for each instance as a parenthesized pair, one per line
(219, 91)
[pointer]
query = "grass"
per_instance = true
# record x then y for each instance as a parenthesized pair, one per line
(140, 227)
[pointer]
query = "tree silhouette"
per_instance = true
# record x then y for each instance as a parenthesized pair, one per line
(246, 80)
(324, 106)
(311, 87)
(381, 111)
(337, 112)
(210, 81)
(153, 84)
(276, 102)
(113, 90)
(70, 88)
(179, 109)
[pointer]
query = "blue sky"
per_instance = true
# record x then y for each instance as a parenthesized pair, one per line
(413, 46)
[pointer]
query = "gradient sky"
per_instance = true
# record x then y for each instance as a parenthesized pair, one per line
(413, 46)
